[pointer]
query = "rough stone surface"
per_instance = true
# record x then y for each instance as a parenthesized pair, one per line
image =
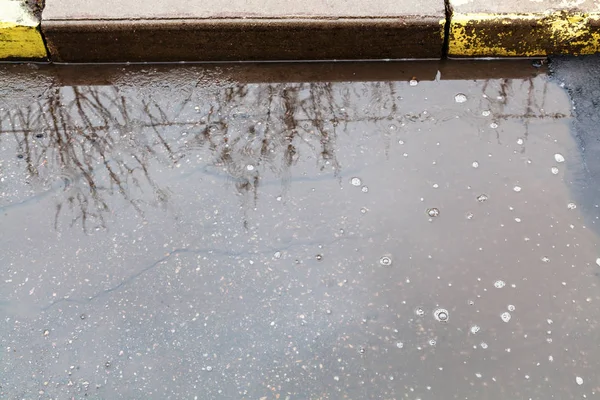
(181, 9)
(481, 28)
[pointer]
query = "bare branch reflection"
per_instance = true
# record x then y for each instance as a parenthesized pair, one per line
(90, 143)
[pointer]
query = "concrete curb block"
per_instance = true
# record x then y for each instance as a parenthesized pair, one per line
(524, 35)
(244, 39)
(20, 37)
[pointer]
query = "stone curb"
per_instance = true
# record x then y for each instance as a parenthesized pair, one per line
(468, 29)
(20, 37)
(524, 35)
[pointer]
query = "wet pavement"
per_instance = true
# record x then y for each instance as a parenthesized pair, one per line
(341, 231)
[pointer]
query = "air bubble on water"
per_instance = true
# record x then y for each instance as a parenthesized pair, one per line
(554, 170)
(475, 329)
(486, 113)
(475, 164)
(433, 212)
(520, 141)
(419, 311)
(559, 158)
(511, 307)
(386, 261)
(319, 257)
(250, 167)
(364, 189)
(399, 345)
(400, 141)
(517, 189)
(571, 206)
(484, 345)
(482, 197)
(355, 181)
(460, 98)
(432, 342)
(493, 125)
(579, 380)
(545, 259)
(364, 210)
(505, 316)
(499, 284)
(413, 82)
(441, 315)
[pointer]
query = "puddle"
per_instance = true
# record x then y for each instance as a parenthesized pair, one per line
(193, 231)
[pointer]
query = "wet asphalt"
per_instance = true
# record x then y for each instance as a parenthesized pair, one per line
(323, 231)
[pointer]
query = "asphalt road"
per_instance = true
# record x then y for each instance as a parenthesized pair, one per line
(375, 231)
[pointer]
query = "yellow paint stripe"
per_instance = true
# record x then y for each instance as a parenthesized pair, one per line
(524, 35)
(20, 37)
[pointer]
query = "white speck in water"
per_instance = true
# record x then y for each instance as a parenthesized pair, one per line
(520, 141)
(486, 113)
(355, 181)
(484, 345)
(493, 125)
(364, 189)
(432, 342)
(469, 215)
(209, 368)
(559, 158)
(336, 378)
(579, 380)
(478, 375)
(460, 98)
(482, 197)
(277, 254)
(549, 321)
(435, 186)
(386, 261)
(545, 259)
(250, 167)
(550, 358)
(364, 210)
(399, 345)
(571, 206)
(419, 311)
(441, 315)
(475, 329)
(400, 141)
(554, 170)
(517, 189)
(475, 164)
(433, 212)
(598, 262)
(505, 316)
(413, 82)
(511, 307)
(499, 284)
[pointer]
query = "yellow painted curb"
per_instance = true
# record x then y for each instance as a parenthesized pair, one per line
(524, 35)
(20, 37)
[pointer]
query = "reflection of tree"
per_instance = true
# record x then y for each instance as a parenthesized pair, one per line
(102, 141)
